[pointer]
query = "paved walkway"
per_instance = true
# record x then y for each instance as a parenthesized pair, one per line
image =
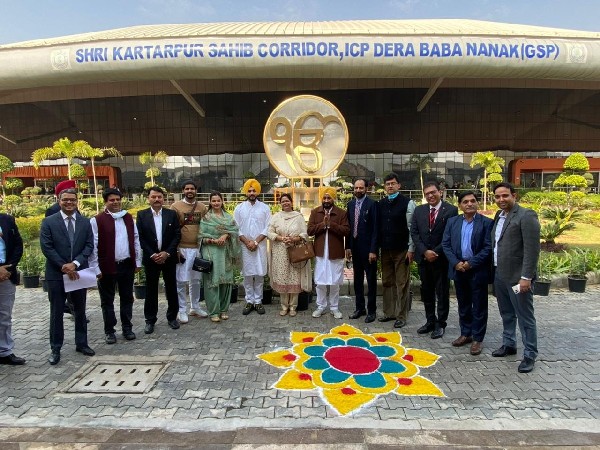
(213, 382)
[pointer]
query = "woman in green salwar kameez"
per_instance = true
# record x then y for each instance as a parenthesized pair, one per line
(219, 240)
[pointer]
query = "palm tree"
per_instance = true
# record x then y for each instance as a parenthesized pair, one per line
(6, 165)
(492, 167)
(421, 162)
(63, 148)
(88, 152)
(159, 158)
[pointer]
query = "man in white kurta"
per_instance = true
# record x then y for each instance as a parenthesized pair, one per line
(329, 225)
(252, 217)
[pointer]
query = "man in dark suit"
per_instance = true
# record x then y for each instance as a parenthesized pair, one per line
(159, 233)
(361, 249)
(468, 246)
(427, 231)
(516, 249)
(11, 250)
(67, 242)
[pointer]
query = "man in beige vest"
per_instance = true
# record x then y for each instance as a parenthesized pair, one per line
(189, 211)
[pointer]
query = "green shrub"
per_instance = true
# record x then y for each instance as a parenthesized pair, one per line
(29, 227)
(11, 200)
(555, 198)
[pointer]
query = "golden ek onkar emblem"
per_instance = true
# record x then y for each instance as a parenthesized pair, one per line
(305, 136)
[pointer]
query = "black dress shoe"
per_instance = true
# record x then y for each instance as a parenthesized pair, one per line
(437, 333)
(427, 328)
(385, 319)
(12, 360)
(87, 351)
(526, 365)
(54, 358)
(149, 328)
(110, 338)
(356, 314)
(399, 323)
(504, 351)
(370, 318)
(174, 324)
(129, 335)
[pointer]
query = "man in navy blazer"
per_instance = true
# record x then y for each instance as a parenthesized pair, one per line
(468, 246)
(427, 231)
(160, 233)
(67, 242)
(11, 250)
(361, 248)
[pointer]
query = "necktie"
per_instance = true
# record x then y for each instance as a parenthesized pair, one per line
(356, 216)
(70, 229)
(431, 218)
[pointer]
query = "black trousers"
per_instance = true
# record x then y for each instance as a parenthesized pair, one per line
(472, 296)
(362, 267)
(123, 279)
(435, 286)
(57, 297)
(153, 272)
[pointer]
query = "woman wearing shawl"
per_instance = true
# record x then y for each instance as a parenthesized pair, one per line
(286, 228)
(219, 237)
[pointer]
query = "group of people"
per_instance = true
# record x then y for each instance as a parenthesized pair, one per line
(470, 249)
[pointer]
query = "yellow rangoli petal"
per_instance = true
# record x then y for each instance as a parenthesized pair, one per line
(294, 380)
(346, 400)
(346, 330)
(299, 337)
(418, 386)
(279, 358)
(421, 358)
(393, 337)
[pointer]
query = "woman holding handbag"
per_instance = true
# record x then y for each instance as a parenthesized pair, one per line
(219, 243)
(288, 228)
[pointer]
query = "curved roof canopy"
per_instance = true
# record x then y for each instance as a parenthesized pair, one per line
(352, 49)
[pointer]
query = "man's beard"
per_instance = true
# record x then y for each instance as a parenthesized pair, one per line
(359, 194)
(327, 205)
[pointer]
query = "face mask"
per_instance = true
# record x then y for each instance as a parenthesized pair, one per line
(118, 215)
(393, 196)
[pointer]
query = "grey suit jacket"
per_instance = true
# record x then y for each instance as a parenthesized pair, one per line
(518, 245)
(55, 245)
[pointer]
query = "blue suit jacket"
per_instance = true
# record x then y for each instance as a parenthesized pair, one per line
(55, 245)
(14, 245)
(481, 244)
(368, 228)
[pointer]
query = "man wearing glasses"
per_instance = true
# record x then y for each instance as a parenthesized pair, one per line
(395, 214)
(67, 241)
(427, 231)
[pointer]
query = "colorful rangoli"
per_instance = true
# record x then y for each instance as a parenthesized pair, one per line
(350, 368)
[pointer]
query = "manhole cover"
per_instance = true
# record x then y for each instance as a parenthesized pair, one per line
(117, 378)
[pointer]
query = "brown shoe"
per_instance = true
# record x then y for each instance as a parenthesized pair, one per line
(462, 340)
(476, 348)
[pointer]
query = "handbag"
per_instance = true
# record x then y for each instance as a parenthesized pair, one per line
(201, 264)
(302, 251)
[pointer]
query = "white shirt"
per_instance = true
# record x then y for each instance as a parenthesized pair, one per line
(66, 222)
(157, 216)
(499, 226)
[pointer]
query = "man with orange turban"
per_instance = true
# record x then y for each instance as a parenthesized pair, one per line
(252, 217)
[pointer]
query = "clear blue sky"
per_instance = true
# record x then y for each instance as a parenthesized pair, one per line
(22, 20)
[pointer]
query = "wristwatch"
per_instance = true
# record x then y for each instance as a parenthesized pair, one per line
(255, 243)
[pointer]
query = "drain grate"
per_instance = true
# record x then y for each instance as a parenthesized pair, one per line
(117, 378)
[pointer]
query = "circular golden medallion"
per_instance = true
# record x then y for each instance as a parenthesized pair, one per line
(305, 136)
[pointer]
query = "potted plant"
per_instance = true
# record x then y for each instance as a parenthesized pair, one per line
(31, 264)
(267, 291)
(542, 283)
(577, 277)
(235, 288)
(139, 287)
